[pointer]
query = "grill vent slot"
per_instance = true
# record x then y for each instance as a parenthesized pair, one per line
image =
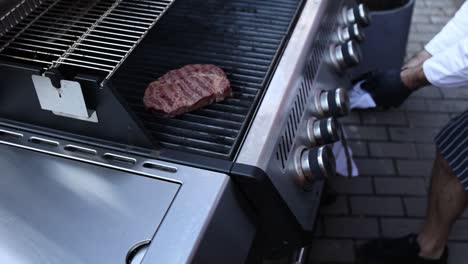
(80, 150)
(320, 46)
(161, 167)
(10, 135)
(119, 158)
(44, 142)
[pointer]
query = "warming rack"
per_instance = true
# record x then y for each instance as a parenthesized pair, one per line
(91, 36)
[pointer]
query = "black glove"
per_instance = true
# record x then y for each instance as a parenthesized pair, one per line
(386, 88)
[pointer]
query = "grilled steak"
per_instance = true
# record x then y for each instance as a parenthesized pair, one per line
(186, 89)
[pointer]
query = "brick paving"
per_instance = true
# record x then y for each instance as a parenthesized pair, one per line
(394, 151)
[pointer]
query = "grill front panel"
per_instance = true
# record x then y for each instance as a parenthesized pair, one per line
(321, 46)
(245, 38)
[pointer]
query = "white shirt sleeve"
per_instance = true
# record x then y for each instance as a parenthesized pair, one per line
(456, 29)
(449, 68)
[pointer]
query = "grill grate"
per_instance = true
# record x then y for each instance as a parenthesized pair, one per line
(96, 36)
(243, 37)
(14, 12)
(320, 47)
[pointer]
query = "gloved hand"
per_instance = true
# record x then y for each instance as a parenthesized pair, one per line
(386, 88)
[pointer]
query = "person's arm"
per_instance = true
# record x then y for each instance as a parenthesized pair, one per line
(416, 60)
(456, 29)
(449, 68)
(442, 63)
(414, 77)
(391, 88)
(412, 73)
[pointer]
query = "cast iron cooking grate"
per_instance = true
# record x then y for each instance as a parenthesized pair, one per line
(243, 37)
(84, 36)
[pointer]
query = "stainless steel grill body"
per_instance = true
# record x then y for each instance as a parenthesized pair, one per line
(83, 204)
(278, 132)
(278, 55)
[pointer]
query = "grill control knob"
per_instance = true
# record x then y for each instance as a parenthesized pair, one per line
(352, 32)
(334, 103)
(316, 164)
(346, 55)
(359, 14)
(322, 132)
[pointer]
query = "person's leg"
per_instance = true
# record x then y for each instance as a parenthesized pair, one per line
(447, 201)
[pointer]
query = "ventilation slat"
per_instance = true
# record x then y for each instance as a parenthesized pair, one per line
(320, 46)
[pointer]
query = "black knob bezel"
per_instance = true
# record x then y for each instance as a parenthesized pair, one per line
(328, 161)
(356, 33)
(321, 164)
(329, 130)
(363, 19)
(316, 172)
(337, 109)
(350, 59)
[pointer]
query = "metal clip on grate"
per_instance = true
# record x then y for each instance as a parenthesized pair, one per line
(91, 36)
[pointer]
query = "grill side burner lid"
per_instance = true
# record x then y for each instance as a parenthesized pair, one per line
(57, 210)
(104, 205)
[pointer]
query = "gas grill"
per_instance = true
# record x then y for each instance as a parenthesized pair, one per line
(240, 179)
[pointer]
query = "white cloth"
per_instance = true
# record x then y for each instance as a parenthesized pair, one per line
(342, 161)
(448, 67)
(359, 99)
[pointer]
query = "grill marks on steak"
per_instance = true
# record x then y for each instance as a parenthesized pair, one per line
(186, 89)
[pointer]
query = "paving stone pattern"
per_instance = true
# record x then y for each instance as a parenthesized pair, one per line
(394, 151)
